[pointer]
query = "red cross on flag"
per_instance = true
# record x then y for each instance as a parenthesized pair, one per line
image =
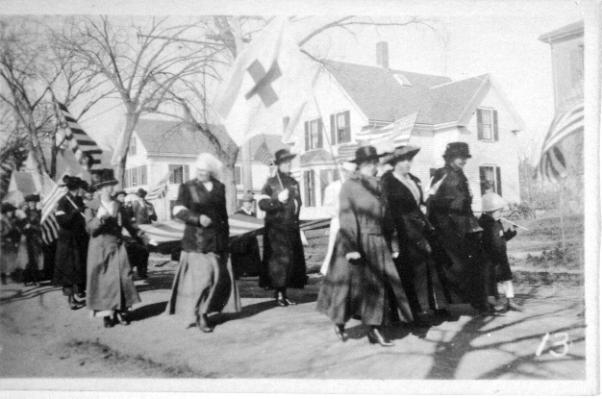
(270, 80)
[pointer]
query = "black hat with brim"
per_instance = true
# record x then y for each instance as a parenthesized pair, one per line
(106, 178)
(282, 156)
(403, 152)
(457, 149)
(366, 153)
(8, 207)
(32, 198)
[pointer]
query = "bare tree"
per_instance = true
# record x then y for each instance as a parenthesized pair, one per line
(34, 73)
(141, 59)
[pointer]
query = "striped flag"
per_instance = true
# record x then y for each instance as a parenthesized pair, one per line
(159, 190)
(390, 136)
(51, 194)
(85, 149)
(552, 162)
(346, 152)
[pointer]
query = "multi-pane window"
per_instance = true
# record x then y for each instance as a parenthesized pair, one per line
(313, 134)
(487, 125)
(490, 176)
(340, 130)
(136, 176)
(178, 174)
(309, 188)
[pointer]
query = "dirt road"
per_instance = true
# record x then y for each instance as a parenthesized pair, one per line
(41, 337)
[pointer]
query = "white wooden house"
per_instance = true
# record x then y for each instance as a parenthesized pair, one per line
(354, 97)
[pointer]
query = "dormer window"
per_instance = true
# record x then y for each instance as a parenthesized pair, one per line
(402, 79)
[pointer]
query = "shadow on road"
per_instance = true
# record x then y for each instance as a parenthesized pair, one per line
(448, 355)
(147, 311)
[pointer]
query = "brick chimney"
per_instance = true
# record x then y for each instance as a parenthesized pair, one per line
(382, 54)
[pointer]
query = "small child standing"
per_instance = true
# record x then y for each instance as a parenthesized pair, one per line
(494, 243)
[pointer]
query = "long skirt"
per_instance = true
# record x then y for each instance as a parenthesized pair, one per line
(8, 259)
(467, 273)
(422, 281)
(110, 281)
(369, 289)
(203, 284)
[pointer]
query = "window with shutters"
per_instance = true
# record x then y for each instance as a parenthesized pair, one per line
(309, 188)
(178, 174)
(490, 176)
(487, 125)
(134, 177)
(340, 129)
(172, 203)
(313, 134)
(143, 175)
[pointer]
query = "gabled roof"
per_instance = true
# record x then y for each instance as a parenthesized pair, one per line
(378, 92)
(565, 32)
(388, 94)
(163, 137)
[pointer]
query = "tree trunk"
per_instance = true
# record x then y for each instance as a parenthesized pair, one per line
(131, 118)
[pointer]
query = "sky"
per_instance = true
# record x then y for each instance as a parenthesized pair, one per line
(470, 38)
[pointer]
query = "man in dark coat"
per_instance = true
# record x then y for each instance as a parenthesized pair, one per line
(72, 243)
(418, 270)
(246, 260)
(143, 211)
(450, 212)
(138, 253)
(33, 239)
(283, 256)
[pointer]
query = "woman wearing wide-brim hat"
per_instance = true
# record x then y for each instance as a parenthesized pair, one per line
(362, 280)
(283, 263)
(418, 270)
(71, 244)
(9, 240)
(111, 290)
(459, 234)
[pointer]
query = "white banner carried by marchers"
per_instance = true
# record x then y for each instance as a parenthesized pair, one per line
(269, 85)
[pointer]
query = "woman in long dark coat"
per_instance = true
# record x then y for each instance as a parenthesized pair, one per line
(415, 263)
(362, 279)
(111, 290)
(283, 257)
(204, 282)
(72, 244)
(449, 210)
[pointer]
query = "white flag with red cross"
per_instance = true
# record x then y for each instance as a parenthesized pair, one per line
(268, 86)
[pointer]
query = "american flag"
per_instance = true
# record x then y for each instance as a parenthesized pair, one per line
(85, 149)
(51, 194)
(390, 136)
(159, 190)
(552, 162)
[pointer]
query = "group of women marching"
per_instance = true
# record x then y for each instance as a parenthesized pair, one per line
(392, 263)
(395, 255)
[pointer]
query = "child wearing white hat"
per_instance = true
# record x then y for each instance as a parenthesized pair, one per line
(494, 243)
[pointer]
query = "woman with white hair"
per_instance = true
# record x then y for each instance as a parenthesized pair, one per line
(202, 283)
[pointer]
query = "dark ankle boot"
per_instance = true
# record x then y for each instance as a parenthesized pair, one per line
(339, 330)
(203, 323)
(375, 337)
(280, 299)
